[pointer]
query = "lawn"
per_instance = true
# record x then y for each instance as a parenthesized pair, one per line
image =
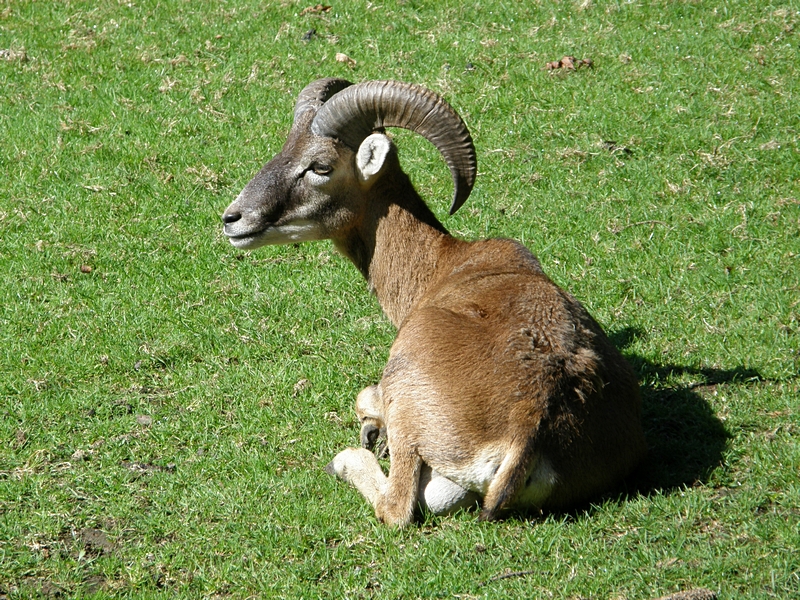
(168, 403)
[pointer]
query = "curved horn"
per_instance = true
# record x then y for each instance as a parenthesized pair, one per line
(356, 112)
(316, 93)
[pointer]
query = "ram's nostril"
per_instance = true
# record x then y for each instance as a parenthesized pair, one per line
(231, 217)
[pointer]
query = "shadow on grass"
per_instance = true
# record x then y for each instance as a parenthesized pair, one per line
(686, 440)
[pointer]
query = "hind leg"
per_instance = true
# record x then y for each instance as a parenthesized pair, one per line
(393, 497)
(410, 481)
(435, 493)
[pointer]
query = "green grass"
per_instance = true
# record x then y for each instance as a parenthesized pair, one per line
(167, 403)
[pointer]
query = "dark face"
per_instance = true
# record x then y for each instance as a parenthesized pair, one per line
(309, 191)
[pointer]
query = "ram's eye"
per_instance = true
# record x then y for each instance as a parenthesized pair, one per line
(321, 169)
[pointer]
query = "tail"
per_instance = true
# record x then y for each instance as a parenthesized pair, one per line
(509, 479)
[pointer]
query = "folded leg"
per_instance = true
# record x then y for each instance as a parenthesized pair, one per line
(431, 491)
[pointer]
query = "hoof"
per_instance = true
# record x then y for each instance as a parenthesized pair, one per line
(369, 435)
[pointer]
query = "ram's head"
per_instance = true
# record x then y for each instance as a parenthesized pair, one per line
(318, 185)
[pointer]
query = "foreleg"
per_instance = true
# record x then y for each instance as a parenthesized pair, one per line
(370, 409)
(360, 468)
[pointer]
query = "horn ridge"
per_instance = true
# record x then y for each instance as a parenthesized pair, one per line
(354, 113)
(316, 93)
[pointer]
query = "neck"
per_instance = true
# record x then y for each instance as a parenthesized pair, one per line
(398, 247)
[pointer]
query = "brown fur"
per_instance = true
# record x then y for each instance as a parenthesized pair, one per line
(493, 364)
(493, 352)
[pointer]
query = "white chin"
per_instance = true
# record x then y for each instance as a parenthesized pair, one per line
(285, 234)
(247, 243)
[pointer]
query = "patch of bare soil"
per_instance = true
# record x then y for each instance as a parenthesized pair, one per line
(569, 63)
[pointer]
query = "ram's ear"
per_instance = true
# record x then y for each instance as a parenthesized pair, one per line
(371, 158)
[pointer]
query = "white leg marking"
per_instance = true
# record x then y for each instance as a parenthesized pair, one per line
(360, 468)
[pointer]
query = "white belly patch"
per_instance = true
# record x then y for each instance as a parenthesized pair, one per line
(475, 475)
(478, 474)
